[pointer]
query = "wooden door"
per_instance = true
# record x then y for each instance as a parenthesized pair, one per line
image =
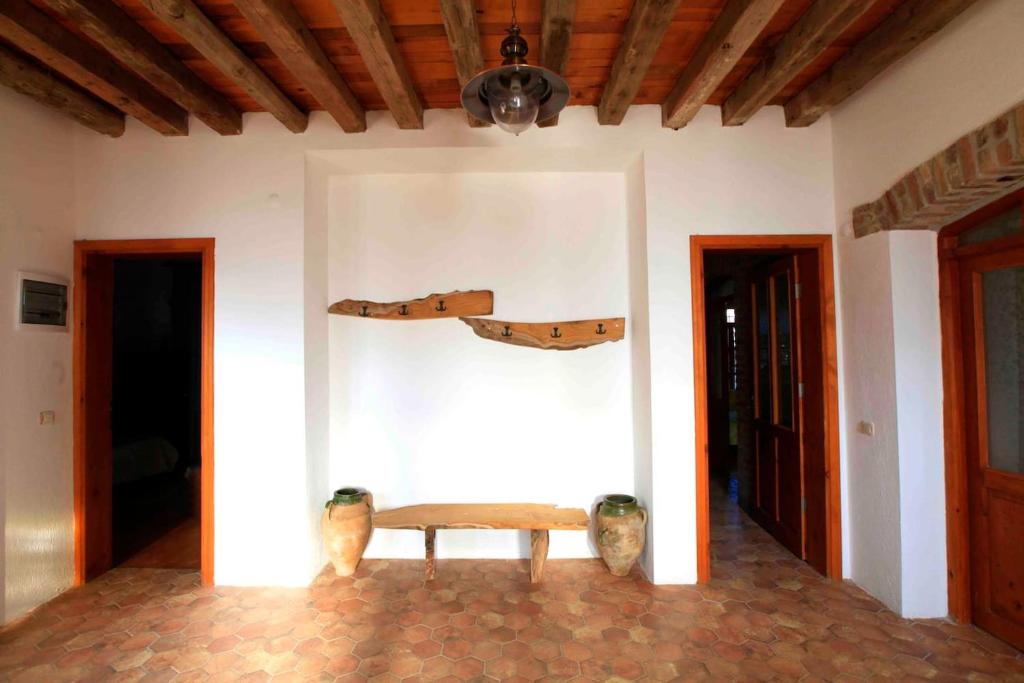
(778, 462)
(811, 371)
(992, 319)
(95, 320)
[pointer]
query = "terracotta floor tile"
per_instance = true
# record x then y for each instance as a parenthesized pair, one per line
(764, 616)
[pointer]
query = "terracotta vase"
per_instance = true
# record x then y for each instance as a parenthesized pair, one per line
(346, 526)
(621, 526)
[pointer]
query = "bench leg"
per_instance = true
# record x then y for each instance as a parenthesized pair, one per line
(429, 535)
(538, 553)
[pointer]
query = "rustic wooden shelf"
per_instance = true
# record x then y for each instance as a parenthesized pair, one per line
(450, 305)
(561, 336)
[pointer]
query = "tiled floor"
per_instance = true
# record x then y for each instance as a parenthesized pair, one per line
(764, 616)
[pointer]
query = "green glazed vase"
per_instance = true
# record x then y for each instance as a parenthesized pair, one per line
(621, 527)
(346, 524)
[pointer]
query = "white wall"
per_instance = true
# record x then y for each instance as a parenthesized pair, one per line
(36, 227)
(427, 412)
(965, 76)
(269, 355)
(248, 193)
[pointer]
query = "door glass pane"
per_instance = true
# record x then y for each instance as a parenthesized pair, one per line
(1003, 225)
(784, 349)
(764, 357)
(1003, 302)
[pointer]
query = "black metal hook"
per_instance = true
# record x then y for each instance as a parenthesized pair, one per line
(440, 308)
(555, 334)
(404, 310)
(364, 313)
(600, 328)
(507, 332)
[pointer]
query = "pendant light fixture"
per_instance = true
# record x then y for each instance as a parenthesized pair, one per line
(515, 95)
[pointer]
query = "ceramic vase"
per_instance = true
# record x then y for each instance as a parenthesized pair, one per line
(346, 526)
(621, 527)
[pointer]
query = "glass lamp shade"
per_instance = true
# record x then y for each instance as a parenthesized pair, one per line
(513, 108)
(515, 96)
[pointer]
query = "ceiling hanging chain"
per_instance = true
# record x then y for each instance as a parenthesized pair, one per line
(515, 20)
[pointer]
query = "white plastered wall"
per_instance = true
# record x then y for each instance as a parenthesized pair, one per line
(427, 412)
(36, 229)
(261, 195)
(956, 81)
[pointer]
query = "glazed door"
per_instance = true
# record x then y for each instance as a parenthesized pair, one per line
(992, 319)
(778, 466)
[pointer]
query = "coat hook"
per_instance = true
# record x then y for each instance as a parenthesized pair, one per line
(440, 308)
(600, 328)
(507, 332)
(364, 313)
(404, 310)
(555, 334)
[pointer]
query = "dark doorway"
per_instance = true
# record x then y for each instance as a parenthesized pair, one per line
(143, 405)
(155, 411)
(765, 388)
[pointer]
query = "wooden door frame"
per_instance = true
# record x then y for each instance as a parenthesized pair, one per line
(958, 545)
(822, 246)
(204, 248)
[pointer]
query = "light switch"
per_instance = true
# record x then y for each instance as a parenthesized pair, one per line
(866, 428)
(47, 417)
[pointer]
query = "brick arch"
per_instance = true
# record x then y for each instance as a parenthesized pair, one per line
(981, 166)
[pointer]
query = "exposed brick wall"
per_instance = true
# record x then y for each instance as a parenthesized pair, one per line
(979, 167)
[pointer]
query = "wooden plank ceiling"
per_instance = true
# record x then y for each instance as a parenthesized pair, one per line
(290, 57)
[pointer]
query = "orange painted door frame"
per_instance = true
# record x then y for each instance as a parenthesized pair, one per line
(821, 247)
(91, 390)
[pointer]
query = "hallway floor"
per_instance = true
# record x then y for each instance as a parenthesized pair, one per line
(178, 548)
(765, 615)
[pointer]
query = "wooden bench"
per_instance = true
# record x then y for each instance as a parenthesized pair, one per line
(539, 519)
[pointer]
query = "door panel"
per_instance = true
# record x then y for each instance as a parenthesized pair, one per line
(97, 327)
(765, 468)
(992, 306)
(779, 462)
(811, 374)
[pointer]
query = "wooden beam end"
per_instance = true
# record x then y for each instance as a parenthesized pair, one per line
(799, 116)
(733, 115)
(298, 124)
(608, 115)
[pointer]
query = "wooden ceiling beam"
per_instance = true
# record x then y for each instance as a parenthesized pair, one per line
(31, 30)
(136, 48)
(284, 31)
(907, 27)
(732, 34)
(647, 24)
(190, 23)
(25, 77)
(556, 20)
(819, 27)
(464, 38)
(369, 28)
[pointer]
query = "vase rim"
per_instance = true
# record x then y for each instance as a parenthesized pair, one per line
(347, 495)
(620, 499)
